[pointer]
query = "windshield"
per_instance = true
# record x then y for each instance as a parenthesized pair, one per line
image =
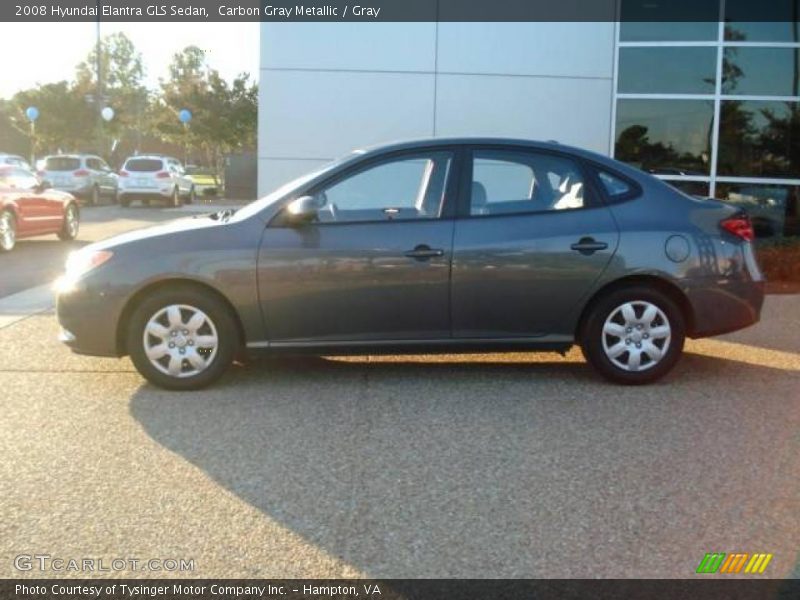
(257, 206)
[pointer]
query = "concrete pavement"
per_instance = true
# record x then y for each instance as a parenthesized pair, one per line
(511, 465)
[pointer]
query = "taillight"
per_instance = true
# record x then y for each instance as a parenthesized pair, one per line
(740, 226)
(123, 173)
(81, 173)
(162, 174)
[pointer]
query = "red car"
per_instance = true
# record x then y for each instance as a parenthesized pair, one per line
(28, 207)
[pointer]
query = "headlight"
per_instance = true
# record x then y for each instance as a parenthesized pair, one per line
(79, 263)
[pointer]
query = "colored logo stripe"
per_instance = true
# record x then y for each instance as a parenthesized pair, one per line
(711, 562)
(734, 563)
(758, 563)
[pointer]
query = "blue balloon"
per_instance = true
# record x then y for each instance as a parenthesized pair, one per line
(185, 115)
(32, 113)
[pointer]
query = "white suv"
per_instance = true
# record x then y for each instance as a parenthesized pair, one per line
(84, 175)
(154, 177)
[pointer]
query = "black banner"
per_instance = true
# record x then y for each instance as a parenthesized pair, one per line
(398, 10)
(400, 589)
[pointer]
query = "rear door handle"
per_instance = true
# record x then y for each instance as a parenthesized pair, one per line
(424, 252)
(588, 245)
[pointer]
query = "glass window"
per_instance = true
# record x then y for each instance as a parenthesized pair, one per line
(668, 137)
(759, 139)
(773, 21)
(772, 208)
(404, 188)
(144, 165)
(62, 163)
(693, 188)
(20, 179)
(93, 164)
(669, 20)
(614, 186)
(761, 71)
(667, 70)
(516, 182)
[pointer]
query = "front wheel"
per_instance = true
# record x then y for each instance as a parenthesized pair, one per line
(8, 231)
(182, 338)
(69, 230)
(633, 335)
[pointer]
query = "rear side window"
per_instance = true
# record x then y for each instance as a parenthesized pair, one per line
(616, 188)
(94, 164)
(508, 182)
(143, 165)
(62, 163)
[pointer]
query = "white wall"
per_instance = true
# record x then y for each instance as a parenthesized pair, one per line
(327, 88)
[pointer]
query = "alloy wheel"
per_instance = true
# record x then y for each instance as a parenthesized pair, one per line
(72, 222)
(636, 335)
(180, 340)
(8, 233)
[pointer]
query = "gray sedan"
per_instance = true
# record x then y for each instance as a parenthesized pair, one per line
(443, 245)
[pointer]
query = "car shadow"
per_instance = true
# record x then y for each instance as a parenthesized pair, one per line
(449, 467)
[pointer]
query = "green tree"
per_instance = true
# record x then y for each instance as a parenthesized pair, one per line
(224, 116)
(122, 75)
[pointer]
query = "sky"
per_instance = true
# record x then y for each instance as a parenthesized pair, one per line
(58, 47)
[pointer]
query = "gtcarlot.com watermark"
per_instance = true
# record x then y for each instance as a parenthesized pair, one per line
(57, 564)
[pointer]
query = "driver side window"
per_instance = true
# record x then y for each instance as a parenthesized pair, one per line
(409, 187)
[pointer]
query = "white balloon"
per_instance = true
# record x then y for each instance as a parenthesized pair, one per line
(107, 113)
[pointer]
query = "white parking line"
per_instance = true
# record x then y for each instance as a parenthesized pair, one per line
(23, 304)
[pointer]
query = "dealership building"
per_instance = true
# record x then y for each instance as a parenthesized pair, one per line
(713, 106)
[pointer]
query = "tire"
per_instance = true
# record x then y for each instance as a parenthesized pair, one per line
(69, 230)
(115, 197)
(8, 231)
(192, 198)
(124, 202)
(94, 197)
(145, 201)
(654, 330)
(175, 200)
(182, 366)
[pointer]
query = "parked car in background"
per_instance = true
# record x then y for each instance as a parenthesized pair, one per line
(28, 207)
(457, 245)
(86, 176)
(155, 177)
(14, 160)
(205, 184)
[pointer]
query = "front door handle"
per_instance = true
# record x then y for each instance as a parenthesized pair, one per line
(424, 252)
(588, 245)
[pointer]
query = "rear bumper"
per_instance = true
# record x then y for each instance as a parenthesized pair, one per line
(724, 306)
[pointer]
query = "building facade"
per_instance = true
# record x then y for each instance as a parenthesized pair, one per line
(714, 107)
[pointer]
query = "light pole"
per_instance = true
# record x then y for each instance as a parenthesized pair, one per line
(185, 115)
(32, 113)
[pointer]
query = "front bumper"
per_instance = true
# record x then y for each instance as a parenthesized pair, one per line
(88, 320)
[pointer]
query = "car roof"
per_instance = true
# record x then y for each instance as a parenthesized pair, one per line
(432, 142)
(147, 157)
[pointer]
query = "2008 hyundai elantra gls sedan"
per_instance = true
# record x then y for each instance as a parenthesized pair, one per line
(443, 245)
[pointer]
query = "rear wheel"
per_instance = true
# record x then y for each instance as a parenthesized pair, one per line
(180, 339)
(94, 196)
(8, 230)
(69, 230)
(192, 196)
(633, 335)
(124, 201)
(176, 198)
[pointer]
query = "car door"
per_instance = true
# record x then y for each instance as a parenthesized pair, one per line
(533, 238)
(375, 265)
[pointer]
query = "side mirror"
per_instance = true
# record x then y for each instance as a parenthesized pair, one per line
(302, 210)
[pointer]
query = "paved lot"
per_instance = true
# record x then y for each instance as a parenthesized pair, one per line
(513, 465)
